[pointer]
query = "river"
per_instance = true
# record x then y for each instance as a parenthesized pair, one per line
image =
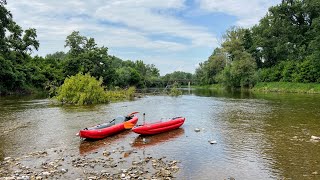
(257, 135)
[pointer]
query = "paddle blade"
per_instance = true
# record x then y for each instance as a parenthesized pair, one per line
(128, 125)
(133, 113)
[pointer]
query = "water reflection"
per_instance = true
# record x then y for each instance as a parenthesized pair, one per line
(146, 141)
(89, 145)
(235, 94)
(259, 135)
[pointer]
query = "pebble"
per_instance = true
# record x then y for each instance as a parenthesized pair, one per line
(64, 170)
(213, 142)
(7, 158)
(46, 173)
(197, 130)
(9, 178)
(106, 153)
(315, 137)
(92, 178)
(135, 169)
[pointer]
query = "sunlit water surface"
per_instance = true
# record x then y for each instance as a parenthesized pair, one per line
(259, 136)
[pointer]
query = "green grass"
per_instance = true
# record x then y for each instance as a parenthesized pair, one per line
(287, 87)
(211, 86)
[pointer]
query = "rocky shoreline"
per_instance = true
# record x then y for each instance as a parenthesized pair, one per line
(106, 164)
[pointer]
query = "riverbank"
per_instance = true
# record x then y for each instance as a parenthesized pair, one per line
(211, 86)
(116, 164)
(287, 87)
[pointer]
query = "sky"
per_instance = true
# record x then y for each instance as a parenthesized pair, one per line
(174, 35)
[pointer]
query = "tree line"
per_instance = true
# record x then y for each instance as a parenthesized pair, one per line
(283, 47)
(22, 73)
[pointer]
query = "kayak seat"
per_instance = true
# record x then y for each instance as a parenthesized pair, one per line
(127, 118)
(101, 126)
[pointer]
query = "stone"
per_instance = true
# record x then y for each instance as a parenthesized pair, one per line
(7, 158)
(315, 137)
(38, 178)
(106, 153)
(197, 130)
(123, 175)
(213, 142)
(46, 173)
(10, 178)
(64, 170)
(23, 178)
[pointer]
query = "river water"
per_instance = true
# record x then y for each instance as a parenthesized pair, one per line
(258, 136)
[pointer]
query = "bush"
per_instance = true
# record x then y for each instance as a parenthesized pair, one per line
(291, 71)
(119, 94)
(175, 91)
(82, 89)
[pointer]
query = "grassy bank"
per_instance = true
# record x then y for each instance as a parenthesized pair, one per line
(287, 87)
(211, 86)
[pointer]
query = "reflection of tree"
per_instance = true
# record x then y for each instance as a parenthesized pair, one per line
(223, 93)
(287, 134)
(241, 124)
(275, 133)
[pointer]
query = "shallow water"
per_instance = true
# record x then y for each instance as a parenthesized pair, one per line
(259, 136)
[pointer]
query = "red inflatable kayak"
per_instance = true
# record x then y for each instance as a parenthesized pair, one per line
(103, 130)
(159, 127)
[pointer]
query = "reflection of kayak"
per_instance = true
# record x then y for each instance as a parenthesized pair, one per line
(91, 145)
(103, 130)
(142, 141)
(159, 127)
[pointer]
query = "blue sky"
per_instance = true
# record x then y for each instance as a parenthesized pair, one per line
(174, 35)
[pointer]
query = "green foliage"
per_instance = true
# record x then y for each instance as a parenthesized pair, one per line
(82, 89)
(240, 74)
(174, 91)
(15, 46)
(233, 43)
(119, 94)
(7, 75)
(85, 89)
(183, 78)
(84, 56)
(291, 71)
(287, 87)
(284, 46)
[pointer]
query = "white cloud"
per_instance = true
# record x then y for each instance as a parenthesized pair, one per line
(54, 20)
(141, 15)
(149, 29)
(248, 12)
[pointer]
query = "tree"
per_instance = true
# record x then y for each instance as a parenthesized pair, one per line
(5, 19)
(15, 46)
(84, 56)
(233, 42)
(240, 73)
